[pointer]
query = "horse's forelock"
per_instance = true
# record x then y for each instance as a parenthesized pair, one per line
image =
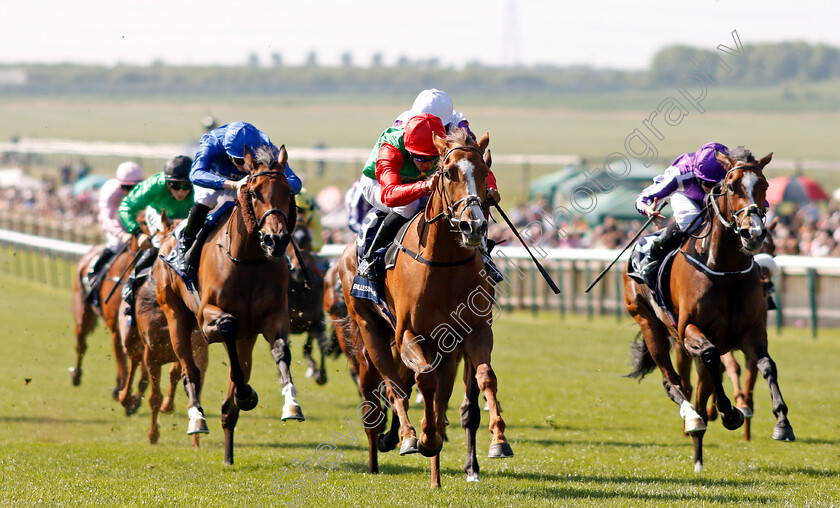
(459, 136)
(740, 153)
(265, 156)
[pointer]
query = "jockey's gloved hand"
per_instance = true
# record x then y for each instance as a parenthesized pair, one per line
(144, 241)
(431, 182)
(494, 195)
(125, 237)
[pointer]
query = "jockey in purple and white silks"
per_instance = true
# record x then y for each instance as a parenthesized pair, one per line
(687, 182)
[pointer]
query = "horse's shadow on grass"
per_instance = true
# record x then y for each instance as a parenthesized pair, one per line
(554, 493)
(696, 482)
(807, 471)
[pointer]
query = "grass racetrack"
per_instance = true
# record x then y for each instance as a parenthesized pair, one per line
(582, 434)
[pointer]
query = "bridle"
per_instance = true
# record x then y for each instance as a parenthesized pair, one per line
(270, 211)
(450, 207)
(732, 221)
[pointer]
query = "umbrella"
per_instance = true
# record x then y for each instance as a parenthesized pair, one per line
(89, 182)
(799, 189)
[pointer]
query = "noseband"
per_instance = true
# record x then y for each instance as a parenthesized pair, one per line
(732, 221)
(449, 210)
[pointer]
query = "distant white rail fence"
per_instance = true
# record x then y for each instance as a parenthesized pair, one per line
(808, 288)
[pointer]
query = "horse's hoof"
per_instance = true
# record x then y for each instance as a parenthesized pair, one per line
(311, 372)
(134, 406)
(383, 445)
(472, 478)
(500, 451)
(154, 435)
(408, 446)
(321, 378)
(712, 413)
(694, 425)
(167, 406)
(292, 412)
(436, 446)
(248, 403)
(198, 426)
(783, 433)
(115, 392)
(698, 467)
(733, 419)
(746, 411)
(75, 376)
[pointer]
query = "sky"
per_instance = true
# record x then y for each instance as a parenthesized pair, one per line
(600, 33)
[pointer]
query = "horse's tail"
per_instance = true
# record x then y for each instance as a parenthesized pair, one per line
(349, 334)
(643, 363)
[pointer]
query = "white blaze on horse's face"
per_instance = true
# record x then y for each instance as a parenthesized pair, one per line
(752, 234)
(474, 230)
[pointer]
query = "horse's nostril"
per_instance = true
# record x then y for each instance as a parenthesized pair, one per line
(466, 227)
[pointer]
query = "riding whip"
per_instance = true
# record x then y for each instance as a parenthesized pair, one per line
(630, 243)
(127, 268)
(542, 270)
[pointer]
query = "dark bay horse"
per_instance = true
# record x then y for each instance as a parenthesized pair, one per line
(242, 280)
(717, 298)
(306, 308)
(85, 314)
(441, 300)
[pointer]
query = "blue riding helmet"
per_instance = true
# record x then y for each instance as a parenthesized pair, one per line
(241, 134)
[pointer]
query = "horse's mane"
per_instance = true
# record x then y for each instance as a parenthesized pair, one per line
(460, 136)
(742, 154)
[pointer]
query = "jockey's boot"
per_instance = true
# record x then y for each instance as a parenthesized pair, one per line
(94, 276)
(391, 224)
(489, 266)
(668, 241)
(187, 252)
(129, 291)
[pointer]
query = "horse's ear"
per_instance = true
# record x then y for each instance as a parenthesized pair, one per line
(484, 141)
(765, 160)
(724, 160)
(249, 159)
(282, 155)
(440, 143)
(164, 220)
(487, 159)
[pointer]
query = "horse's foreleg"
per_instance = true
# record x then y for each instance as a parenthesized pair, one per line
(181, 322)
(782, 431)
(311, 366)
(373, 417)
(425, 375)
(168, 404)
(155, 397)
(325, 346)
(750, 377)
(705, 385)
(278, 339)
(733, 370)
(477, 349)
(445, 382)
(85, 319)
(699, 346)
(122, 364)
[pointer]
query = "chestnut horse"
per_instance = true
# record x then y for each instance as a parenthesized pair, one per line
(242, 283)
(343, 328)
(84, 315)
(438, 274)
(717, 297)
(151, 338)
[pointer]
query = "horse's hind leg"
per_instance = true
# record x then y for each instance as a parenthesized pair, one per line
(373, 417)
(311, 366)
(168, 404)
(181, 322)
(445, 383)
(750, 377)
(325, 345)
(155, 397)
(470, 419)
(705, 383)
(699, 346)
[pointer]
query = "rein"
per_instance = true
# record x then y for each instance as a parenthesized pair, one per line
(448, 212)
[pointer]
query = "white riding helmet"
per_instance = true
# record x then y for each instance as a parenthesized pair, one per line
(767, 262)
(434, 102)
(129, 173)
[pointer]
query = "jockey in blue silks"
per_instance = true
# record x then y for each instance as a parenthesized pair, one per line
(687, 182)
(217, 172)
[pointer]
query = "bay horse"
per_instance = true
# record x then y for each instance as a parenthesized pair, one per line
(743, 397)
(242, 291)
(438, 274)
(306, 308)
(717, 298)
(85, 314)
